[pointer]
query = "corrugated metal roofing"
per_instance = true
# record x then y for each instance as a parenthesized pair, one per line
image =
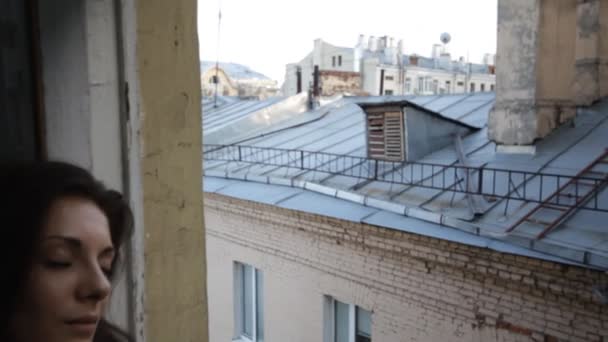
(341, 130)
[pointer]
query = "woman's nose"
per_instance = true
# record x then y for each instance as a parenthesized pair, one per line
(95, 285)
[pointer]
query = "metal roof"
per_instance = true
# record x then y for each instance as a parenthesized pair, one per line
(234, 70)
(338, 129)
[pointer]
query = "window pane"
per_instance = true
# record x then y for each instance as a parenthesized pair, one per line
(259, 309)
(341, 322)
(364, 323)
(248, 301)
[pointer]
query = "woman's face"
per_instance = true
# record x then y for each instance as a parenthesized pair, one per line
(68, 285)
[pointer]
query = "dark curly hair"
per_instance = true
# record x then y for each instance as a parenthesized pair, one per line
(28, 191)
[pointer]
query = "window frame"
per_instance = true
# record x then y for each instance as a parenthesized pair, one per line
(329, 334)
(408, 85)
(339, 60)
(239, 303)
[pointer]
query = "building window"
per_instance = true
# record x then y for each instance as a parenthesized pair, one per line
(388, 92)
(472, 89)
(408, 85)
(333, 61)
(389, 78)
(248, 304)
(428, 85)
(491, 87)
(421, 84)
(482, 87)
(435, 86)
(340, 60)
(460, 84)
(448, 87)
(346, 322)
(213, 80)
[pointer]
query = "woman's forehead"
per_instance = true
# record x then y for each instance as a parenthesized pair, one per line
(77, 218)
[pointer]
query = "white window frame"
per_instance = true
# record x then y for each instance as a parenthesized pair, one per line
(239, 335)
(329, 319)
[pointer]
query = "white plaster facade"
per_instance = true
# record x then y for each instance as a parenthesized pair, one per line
(403, 75)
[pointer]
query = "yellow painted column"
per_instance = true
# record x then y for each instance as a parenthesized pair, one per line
(170, 113)
(603, 41)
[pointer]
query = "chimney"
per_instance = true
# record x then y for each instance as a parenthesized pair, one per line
(361, 41)
(391, 42)
(413, 60)
(445, 60)
(372, 43)
(383, 43)
(400, 46)
(437, 49)
(530, 104)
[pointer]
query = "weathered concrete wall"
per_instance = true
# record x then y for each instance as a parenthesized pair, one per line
(603, 48)
(170, 97)
(536, 72)
(513, 118)
(555, 65)
(339, 82)
(418, 288)
(586, 85)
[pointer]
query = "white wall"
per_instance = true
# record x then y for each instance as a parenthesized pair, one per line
(321, 55)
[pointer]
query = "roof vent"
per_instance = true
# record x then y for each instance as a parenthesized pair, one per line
(385, 135)
(404, 131)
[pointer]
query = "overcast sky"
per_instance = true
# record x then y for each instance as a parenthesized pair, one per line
(267, 34)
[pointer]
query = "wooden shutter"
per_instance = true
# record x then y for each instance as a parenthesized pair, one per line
(393, 136)
(385, 136)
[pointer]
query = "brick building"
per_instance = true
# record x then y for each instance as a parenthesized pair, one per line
(425, 272)
(421, 218)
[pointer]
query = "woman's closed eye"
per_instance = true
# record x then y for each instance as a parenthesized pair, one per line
(57, 264)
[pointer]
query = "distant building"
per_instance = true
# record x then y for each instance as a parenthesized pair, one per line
(235, 80)
(379, 67)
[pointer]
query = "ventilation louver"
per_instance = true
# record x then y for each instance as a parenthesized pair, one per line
(385, 136)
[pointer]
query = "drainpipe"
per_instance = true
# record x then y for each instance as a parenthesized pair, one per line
(299, 80)
(381, 82)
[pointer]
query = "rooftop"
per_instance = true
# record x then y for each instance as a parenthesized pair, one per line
(316, 161)
(234, 71)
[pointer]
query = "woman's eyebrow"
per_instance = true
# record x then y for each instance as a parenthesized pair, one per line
(73, 242)
(77, 244)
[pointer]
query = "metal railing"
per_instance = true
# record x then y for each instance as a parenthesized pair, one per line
(492, 183)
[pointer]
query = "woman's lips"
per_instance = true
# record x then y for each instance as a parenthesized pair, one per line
(84, 326)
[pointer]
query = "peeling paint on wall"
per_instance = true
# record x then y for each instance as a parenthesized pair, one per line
(175, 269)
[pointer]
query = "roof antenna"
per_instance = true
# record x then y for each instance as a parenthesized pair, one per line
(217, 57)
